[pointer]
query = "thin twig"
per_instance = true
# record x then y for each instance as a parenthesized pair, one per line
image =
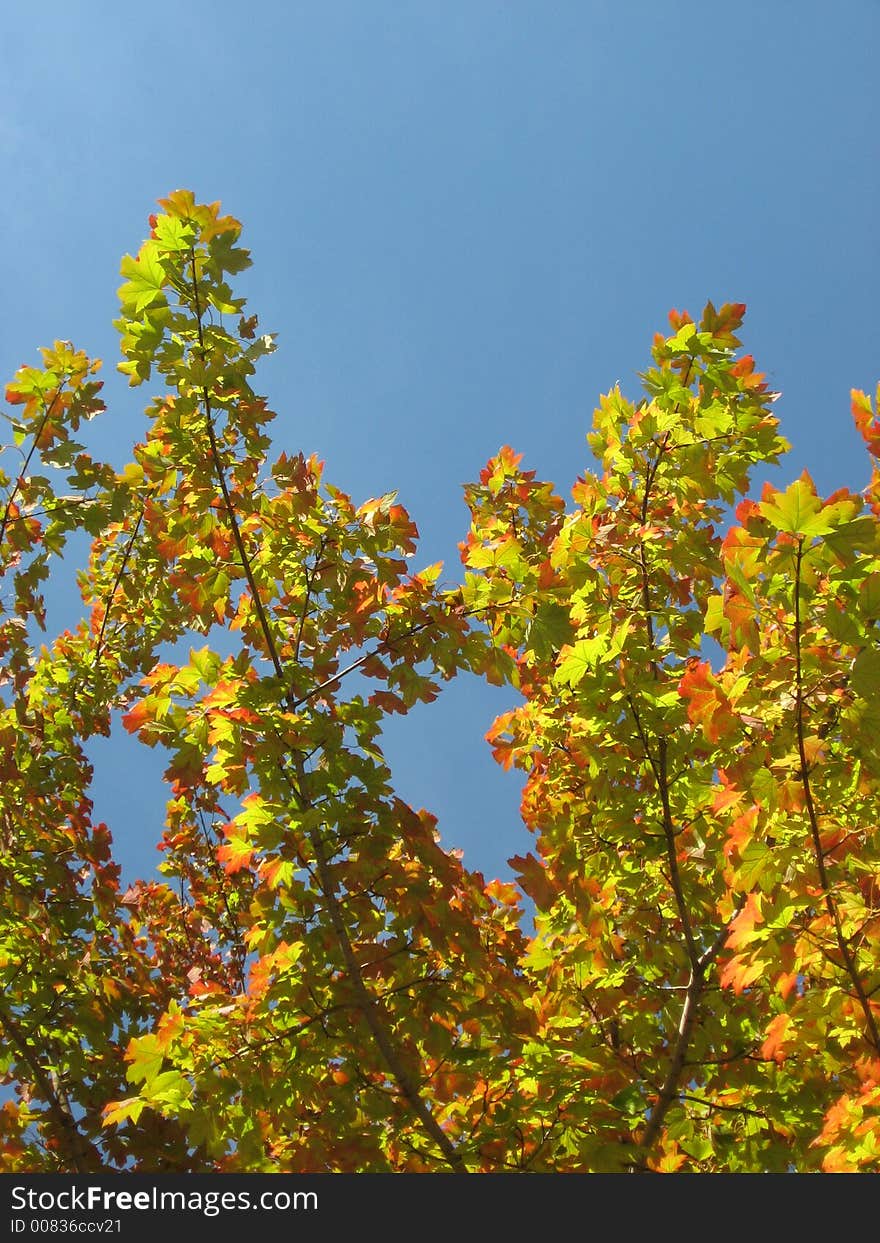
(10, 500)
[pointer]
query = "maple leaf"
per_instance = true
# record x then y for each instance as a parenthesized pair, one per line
(797, 511)
(532, 875)
(742, 926)
(740, 971)
(866, 419)
(774, 1046)
(137, 717)
(126, 1110)
(707, 703)
(234, 855)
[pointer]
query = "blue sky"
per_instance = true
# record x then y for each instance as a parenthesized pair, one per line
(467, 220)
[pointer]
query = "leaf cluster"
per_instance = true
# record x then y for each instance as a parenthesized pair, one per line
(313, 983)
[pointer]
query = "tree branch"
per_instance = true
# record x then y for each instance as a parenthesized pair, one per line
(10, 500)
(77, 1149)
(370, 1006)
(850, 964)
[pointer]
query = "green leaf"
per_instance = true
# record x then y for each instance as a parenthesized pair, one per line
(168, 1088)
(146, 1057)
(797, 511)
(206, 663)
(549, 630)
(146, 278)
(580, 659)
(124, 1111)
(865, 676)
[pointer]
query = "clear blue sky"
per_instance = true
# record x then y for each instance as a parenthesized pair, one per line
(467, 220)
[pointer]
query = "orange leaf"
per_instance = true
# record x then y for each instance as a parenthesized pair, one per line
(743, 925)
(504, 892)
(726, 794)
(741, 832)
(785, 983)
(137, 717)
(866, 420)
(170, 1027)
(235, 855)
(740, 972)
(774, 1042)
(707, 704)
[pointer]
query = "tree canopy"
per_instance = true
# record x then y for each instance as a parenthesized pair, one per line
(681, 976)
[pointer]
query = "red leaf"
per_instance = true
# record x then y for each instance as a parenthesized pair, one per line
(707, 704)
(532, 876)
(235, 855)
(866, 421)
(138, 716)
